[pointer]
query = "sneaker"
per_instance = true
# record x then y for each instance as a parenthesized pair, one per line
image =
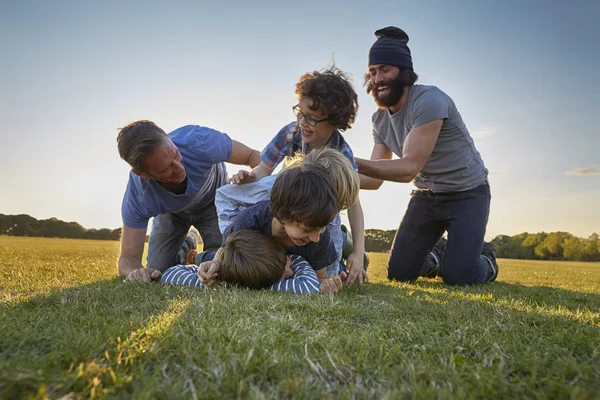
(489, 252)
(194, 235)
(439, 249)
(190, 257)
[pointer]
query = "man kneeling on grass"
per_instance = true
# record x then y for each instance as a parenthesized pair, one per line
(253, 260)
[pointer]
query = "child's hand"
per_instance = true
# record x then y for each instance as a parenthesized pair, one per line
(331, 285)
(208, 272)
(356, 270)
(243, 176)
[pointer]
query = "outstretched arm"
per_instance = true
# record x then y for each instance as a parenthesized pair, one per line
(181, 275)
(243, 155)
(356, 269)
(256, 174)
(130, 260)
(380, 152)
(417, 148)
(304, 281)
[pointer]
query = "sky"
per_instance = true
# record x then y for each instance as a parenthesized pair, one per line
(523, 74)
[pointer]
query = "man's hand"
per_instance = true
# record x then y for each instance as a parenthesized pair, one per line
(331, 285)
(208, 272)
(143, 275)
(356, 269)
(243, 177)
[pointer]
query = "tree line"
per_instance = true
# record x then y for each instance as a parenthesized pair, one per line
(25, 225)
(531, 246)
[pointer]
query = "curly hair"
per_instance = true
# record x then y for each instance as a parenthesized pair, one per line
(331, 92)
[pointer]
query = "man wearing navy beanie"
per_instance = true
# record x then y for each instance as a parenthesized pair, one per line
(422, 126)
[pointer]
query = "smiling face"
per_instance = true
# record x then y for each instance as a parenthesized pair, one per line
(164, 164)
(301, 234)
(387, 86)
(313, 123)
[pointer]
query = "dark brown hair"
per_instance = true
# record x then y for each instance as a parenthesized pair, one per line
(137, 140)
(331, 93)
(304, 194)
(251, 259)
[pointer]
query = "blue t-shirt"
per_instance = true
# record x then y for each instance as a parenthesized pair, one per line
(201, 148)
(258, 218)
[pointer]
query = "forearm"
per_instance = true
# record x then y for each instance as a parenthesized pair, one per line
(322, 274)
(262, 170)
(181, 275)
(402, 170)
(127, 265)
(254, 159)
(357, 226)
(305, 281)
(368, 183)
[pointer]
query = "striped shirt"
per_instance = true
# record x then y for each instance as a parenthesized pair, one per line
(304, 281)
(279, 147)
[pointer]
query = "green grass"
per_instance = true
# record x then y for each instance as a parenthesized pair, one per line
(68, 327)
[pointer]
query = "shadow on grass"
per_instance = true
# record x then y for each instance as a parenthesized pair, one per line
(55, 332)
(181, 342)
(536, 296)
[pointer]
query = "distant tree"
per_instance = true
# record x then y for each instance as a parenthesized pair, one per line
(531, 242)
(25, 225)
(574, 249)
(592, 248)
(377, 240)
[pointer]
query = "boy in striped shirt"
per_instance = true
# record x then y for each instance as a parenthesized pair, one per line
(249, 259)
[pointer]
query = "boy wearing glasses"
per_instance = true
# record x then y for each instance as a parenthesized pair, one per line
(327, 106)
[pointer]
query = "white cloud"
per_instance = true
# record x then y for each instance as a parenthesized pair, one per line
(483, 132)
(591, 171)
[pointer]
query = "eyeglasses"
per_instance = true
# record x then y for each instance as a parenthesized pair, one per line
(307, 118)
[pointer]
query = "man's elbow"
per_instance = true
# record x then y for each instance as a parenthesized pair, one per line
(372, 184)
(411, 173)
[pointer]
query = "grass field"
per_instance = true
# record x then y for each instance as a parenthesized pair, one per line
(70, 329)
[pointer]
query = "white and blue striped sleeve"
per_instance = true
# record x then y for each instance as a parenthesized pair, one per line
(304, 281)
(181, 275)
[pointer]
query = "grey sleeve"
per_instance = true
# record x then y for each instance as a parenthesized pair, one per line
(431, 105)
(376, 137)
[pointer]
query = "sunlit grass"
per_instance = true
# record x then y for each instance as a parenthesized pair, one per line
(68, 326)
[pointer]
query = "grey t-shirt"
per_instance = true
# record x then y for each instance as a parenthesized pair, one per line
(455, 165)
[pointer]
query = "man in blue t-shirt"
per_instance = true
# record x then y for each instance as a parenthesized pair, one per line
(173, 178)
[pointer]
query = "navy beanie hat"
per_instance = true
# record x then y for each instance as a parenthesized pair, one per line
(391, 48)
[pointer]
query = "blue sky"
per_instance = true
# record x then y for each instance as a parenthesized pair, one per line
(522, 73)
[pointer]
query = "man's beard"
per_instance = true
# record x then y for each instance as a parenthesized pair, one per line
(396, 91)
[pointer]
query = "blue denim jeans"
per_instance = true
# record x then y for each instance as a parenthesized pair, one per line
(464, 215)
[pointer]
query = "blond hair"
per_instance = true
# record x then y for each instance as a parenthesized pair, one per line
(344, 178)
(251, 259)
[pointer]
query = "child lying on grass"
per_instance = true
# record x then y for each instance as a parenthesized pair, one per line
(250, 259)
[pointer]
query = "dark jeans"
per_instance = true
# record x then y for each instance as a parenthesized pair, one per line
(464, 215)
(169, 231)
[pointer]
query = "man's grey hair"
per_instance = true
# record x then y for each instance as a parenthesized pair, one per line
(137, 140)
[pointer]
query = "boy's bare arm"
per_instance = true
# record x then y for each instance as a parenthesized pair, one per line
(356, 269)
(256, 174)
